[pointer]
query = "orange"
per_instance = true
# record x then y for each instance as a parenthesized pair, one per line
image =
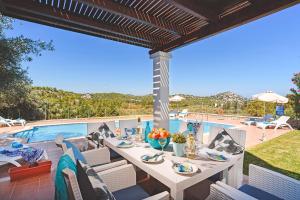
(156, 136)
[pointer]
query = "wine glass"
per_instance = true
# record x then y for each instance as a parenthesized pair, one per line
(162, 142)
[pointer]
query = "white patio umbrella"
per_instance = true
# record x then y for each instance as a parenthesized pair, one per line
(271, 97)
(176, 98)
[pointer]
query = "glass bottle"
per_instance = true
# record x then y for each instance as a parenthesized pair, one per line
(190, 146)
(147, 131)
(139, 130)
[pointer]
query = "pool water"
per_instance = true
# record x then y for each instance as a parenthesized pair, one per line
(175, 125)
(49, 133)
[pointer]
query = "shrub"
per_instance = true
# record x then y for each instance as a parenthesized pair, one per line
(295, 123)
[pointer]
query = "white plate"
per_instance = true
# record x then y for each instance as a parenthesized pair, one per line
(158, 159)
(194, 168)
(217, 157)
(125, 145)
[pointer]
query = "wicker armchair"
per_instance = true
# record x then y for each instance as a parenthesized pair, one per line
(116, 179)
(265, 181)
(99, 159)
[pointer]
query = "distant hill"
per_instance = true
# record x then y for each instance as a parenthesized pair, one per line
(228, 97)
(223, 97)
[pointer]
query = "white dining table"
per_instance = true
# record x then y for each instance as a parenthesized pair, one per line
(164, 172)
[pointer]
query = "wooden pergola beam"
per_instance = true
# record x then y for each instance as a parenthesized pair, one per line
(66, 20)
(138, 16)
(195, 8)
(248, 14)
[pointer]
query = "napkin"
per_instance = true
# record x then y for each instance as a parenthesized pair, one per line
(16, 144)
(184, 168)
(125, 143)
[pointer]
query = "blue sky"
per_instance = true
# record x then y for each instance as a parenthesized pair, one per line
(259, 56)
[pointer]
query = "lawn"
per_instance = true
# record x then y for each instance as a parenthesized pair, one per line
(281, 154)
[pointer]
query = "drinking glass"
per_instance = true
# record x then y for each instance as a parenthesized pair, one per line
(162, 142)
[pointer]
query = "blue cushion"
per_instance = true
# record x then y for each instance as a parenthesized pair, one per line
(132, 193)
(61, 191)
(77, 154)
(258, 193)
(114, 155)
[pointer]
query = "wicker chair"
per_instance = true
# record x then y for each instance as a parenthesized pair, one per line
(116, 179)
(240, 137)
(262, 182)
(130, 123)
(99, 159)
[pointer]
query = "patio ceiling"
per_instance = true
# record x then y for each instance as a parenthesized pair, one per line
(160, 25)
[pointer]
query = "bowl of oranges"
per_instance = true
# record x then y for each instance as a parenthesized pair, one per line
(156, 134)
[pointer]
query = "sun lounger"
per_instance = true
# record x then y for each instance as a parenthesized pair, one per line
(253, 120)
(183, 113)
(14, 160)
(278, 123)
(18, 122)
(173, 114)
(11, 122)
(6, 122)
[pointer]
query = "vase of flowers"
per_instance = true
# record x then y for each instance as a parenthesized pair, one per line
(179, 141)
(158, 137)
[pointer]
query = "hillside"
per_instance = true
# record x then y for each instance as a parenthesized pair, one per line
(52, 103)
(230, 97)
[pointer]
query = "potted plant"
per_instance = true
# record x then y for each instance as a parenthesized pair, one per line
(179, 141)
(33, 166)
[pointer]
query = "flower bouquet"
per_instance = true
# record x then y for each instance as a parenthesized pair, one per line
(157, 135)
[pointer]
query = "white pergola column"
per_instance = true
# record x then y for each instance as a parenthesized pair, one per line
(161, 89)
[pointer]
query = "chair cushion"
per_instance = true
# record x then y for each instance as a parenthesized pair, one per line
(65, 161)
(258, 193)
(193, 127)
(130, 131)
(224, 142)
(77, 154)
(105, 131)
(135, 192)
(90, 184)
(114, 155)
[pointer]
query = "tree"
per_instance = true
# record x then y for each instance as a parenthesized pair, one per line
(15, 84)
(295, 97)
(257, 108)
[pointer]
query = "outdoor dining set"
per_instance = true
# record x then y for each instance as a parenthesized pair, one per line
(117, 160)
(109, 162)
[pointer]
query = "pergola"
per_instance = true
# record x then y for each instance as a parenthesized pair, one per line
(159, 25)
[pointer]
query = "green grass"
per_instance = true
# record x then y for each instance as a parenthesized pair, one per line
(281, 154)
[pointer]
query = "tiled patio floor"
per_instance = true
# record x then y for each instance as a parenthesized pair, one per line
(35, 188)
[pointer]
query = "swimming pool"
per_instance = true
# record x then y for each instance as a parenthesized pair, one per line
(48, 133)
(175, 125)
